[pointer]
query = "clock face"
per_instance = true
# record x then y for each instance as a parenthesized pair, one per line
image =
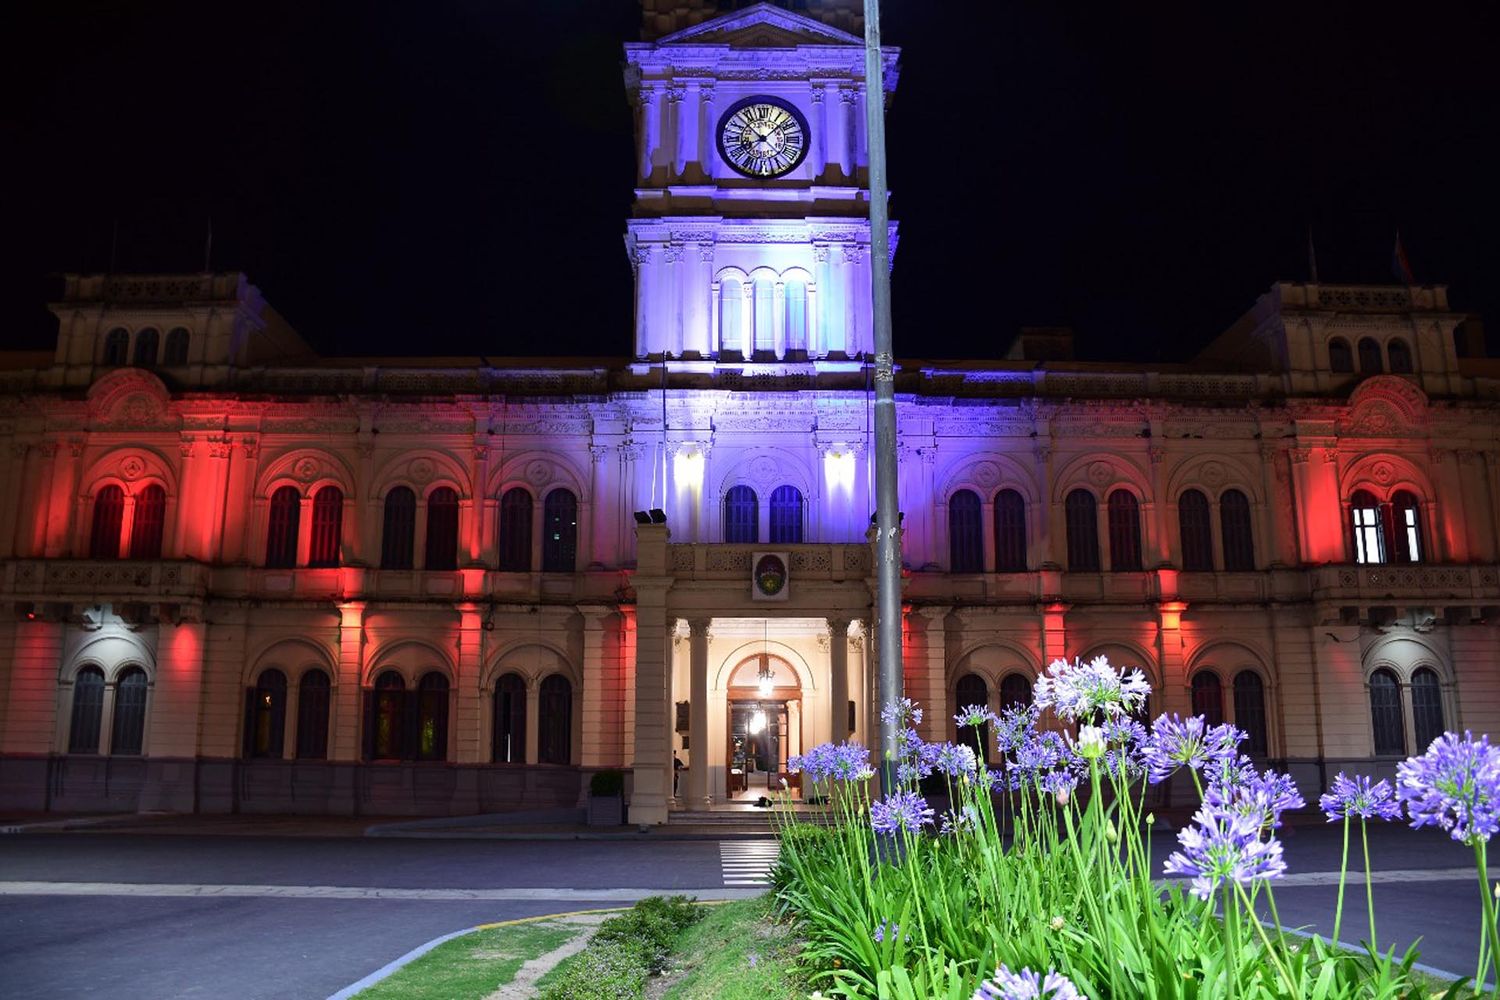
(762, 137)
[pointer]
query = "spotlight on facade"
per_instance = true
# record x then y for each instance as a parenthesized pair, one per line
(26, 611)
(658, 516)
(641, 517)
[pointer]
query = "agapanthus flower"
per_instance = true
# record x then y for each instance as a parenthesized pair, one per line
(976, 715)
(1059, 783)
(1192, 742)
(1261, 797)
(1224, 846)
(1027, 985)
(889, 929)
(1228, 770)
(955, 760)
(902, 810)
(964, 820)
(1090, 742)
(901, 714)
(1015, 726)
(1454, 785)
(1348, 798)
(1122, 730)
(1078, 690)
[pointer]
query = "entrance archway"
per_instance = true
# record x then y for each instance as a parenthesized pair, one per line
(763, 728)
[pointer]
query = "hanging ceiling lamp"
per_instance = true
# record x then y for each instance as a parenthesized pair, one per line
(765, 679)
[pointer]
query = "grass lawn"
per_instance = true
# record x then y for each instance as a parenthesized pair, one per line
(473, 965)
(736, 952)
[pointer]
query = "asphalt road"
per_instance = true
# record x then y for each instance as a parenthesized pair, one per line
(177, 935)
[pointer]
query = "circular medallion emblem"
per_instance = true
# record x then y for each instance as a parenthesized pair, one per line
(770, 575)
(762, 137)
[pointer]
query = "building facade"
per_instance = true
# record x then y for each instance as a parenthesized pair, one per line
(242, 577)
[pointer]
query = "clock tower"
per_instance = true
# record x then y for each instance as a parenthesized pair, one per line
(750, 240)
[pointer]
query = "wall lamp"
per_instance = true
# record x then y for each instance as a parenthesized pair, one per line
(653, 516)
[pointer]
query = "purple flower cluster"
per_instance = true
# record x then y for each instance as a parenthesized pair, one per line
(833, 761)
(1221, 846)
(1454, 785)
(955, 761)
(901, 714)
(889, 929)
(1016, 725)
(900, 811)
(1027, 985)
(1192, 742)
(1357, 797)
(1259, 797)
(1078, 690)
(976, 715)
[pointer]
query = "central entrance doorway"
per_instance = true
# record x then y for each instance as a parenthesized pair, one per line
(764, 728)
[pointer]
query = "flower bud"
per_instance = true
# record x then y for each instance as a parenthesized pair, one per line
(1111, 834)
(1090, 745)
(1062, 796)
(1058, 923)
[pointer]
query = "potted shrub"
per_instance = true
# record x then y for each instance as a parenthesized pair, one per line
(607, 798)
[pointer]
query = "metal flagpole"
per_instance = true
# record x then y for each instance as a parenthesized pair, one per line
(887, 518)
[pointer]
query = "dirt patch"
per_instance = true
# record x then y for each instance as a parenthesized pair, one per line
(523, 986)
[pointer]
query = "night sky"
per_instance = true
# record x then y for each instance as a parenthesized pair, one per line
(453, 177)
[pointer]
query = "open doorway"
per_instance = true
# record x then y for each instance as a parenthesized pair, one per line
(764, 728)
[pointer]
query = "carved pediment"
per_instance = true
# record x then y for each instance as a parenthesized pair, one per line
(130, 398)
(1386, 406)
(761, 26)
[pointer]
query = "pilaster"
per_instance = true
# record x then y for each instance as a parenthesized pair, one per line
(345, 721)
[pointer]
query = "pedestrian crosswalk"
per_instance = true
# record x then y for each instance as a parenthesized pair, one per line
(747, 862)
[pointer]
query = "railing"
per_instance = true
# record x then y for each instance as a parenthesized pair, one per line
(711, 561)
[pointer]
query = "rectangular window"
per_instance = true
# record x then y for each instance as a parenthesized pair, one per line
(1368, 545)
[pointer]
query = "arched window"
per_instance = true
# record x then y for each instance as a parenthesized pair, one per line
(555, 721)
(965, 534)
(130, 713)
(1083, 531)
(1015, 689)
(442, 529)
(1340, 357)
(88, 711)
(1385, 714)
(786, 516)
(1234, 525)
(741, 515)
(432, 717)
(327, 526)
(731, 314)
(385, 718)
(265, 715)
(764, 317)
(560, 527)
(1010, 532)
(515, 531)
(146, 344)
(972, 690)
(1369, 357)
(1400, 356)
(1208, 697)
(117, 346)
(508, 743)
(146, 526)
(398, 533)
(1426, 707)
(1369, 533)
(109, 511)
(176, 352)
(281, 530)
(312, 716)
(1250, 710)
(796, 316)
(1196, 532)
(1124, 531)
(1406, 527)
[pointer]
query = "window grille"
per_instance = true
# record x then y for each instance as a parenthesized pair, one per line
(786, 516)
(1010, 532)
(1234, 525)
(1083, 531)
(1250, 710)
(442, 530)
(1426, 707)
(398, 533)
(1385, 714)
(741, 515)
(1124, 531)
(515, 531)
(281, 534)
(965, 537)
(88, 711)
(1196, 532)
(130, 713)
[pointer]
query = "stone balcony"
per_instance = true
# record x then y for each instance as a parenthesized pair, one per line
(1426, 584)
(106, 580)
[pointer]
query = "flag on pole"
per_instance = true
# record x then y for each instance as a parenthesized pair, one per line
(1400, 266)
(1312, 258)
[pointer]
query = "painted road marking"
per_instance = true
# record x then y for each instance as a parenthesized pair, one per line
(197, 890)
(747, 862)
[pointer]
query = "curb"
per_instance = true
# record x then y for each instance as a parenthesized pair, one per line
(390, 968)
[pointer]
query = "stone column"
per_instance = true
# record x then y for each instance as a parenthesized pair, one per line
(697, 783)
(931, 689)
(1320, 510)
(598, 720)
(1177, 697)
(469, 706)
(778, 320)
(838, 677)
(647, 338)
(819, 151)
(64, 497)
(652, 763)
(649, 98)
(533, 720)
(819, 340)
(345, 718)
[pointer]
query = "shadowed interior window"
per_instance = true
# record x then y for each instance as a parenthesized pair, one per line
(146, 343)
(1124, 531)
(109, 512)
(515, 531)
(146, 526)
(265, 715)
(1196, 532)
(176, 351)
(88, 711)
(741, 515)
(327, 526)
(1234, 527)
(1015, 689)
(1369, 357)
(398, 533)
(560, 522)
(1250, 710)
(1340, 357)
(130, 713)
(965, 536)
(1426, 707)
(786, 516)
(312, 716)
(432, 717)
(1208, 697)
(442, 530)
(1385, 714)
(555, 721)
(1082, 514)
(1010, 532)
(281, 533)
(1400, 357)
(117, 346)
(509, 739)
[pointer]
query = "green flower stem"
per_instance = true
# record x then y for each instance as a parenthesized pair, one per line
(1232, 932)
(1271, 951)
(1369, 885)
(1338, 911)
(1488, 901)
